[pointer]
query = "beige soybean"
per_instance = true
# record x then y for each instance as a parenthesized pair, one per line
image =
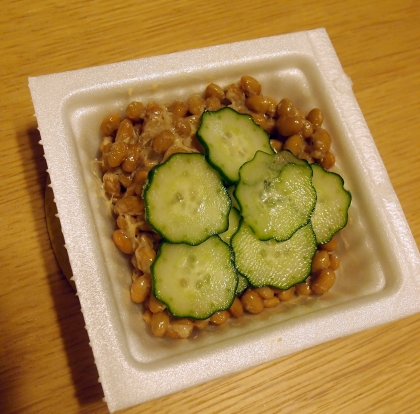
(219, 318)
(252, 302)
(250, 85)
(159, 323)
(140, 289)
(286, 295)
(323, 281)
(155, 305)
(236, 309)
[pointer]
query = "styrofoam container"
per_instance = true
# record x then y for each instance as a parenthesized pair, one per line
(378, 280)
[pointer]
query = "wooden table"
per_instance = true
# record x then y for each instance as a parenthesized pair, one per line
(46, 362)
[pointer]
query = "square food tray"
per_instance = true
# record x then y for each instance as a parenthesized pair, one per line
(378, 279)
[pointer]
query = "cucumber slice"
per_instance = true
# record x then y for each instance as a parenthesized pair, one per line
(271, 263)
(276, 196)
(185, 199)
(231, 190)
(195, 281)
(242, 284)
(333, 202)
(234, 218)
(286, 157)
(230, 140)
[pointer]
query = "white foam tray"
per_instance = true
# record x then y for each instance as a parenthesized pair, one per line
(378, 281)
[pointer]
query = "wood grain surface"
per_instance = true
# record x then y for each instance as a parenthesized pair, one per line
(46, 363)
